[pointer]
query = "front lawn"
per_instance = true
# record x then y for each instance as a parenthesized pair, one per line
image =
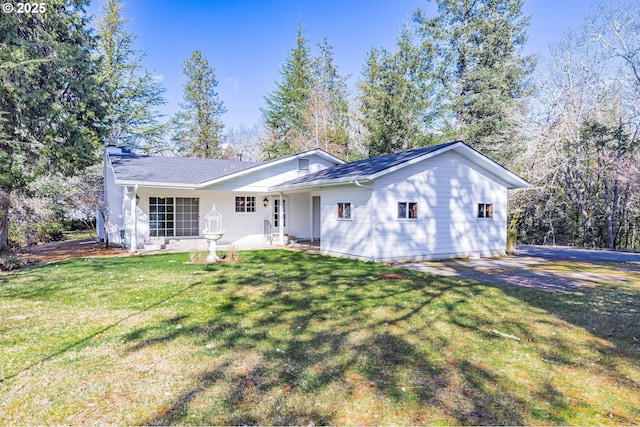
(290, 338)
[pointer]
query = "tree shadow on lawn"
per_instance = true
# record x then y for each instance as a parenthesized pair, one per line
(63, 347)
(313, 348)
(610, 312)
(298, 337)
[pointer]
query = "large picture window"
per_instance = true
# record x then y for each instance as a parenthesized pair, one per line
(187, 216)
(174, 216)
(407, 210)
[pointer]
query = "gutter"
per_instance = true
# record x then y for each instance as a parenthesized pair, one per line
(317, 184)
(158, 185)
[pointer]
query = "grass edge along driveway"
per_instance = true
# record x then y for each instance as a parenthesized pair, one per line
(291, 338)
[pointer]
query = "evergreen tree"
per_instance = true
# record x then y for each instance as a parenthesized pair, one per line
(396, 97)
(198, 125)
(52, 104)
(133, 94)
(480, 68)
(286, 114)
(330, 107)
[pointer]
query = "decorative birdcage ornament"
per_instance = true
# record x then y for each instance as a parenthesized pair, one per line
(213, 232)
(213, 221)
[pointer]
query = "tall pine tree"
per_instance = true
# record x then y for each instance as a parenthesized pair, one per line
(396, 97)
(133, 94)
(481, 71)
(198, 125)
(286, 114)
(330, 108)
(52, 104)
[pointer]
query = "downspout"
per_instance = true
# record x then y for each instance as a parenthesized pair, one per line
(371, 216)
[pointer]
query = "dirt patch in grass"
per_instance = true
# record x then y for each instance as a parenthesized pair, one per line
(68, 249)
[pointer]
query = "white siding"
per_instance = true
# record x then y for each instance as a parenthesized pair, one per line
(236, 225)
(114, 210)
(243, 228)
(447, 189)
(261, 180)
(343, 237)
(299, 215)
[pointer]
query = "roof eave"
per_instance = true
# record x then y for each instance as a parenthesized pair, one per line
(514, 181)
(171, 185)
(317, 184)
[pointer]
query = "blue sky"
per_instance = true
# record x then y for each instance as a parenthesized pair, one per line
(247, 41)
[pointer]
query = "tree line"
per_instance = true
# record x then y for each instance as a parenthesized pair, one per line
(568, 124)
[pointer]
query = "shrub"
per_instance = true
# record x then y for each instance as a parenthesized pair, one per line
(197, 257)
(232, 254)
(50, 231)
(512, 237)
(10, 262)
(22, 235)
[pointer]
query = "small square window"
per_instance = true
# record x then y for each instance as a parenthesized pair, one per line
(303, 164)
(485, 210)
(250, 204)
(344, 210)
(407, 210)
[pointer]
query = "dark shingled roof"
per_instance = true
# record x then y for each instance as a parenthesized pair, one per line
(364, 168)
(173, 170)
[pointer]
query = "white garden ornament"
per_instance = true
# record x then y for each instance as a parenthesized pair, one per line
(213, 232)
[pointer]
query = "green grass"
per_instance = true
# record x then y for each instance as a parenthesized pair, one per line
(290, 338)
(79, 235)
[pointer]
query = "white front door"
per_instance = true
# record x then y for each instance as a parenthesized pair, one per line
(279, 214)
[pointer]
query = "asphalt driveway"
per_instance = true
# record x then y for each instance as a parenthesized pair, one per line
(573, 254)
(538, 267)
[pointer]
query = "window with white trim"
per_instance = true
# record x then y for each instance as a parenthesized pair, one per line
(303, 164)
(485, 210)
(279, 213)
(169, 216)
(187, 216)
(344, 210)
(245, 204)
(407, 210)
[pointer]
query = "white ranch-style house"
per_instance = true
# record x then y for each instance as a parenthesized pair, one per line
(436, 202)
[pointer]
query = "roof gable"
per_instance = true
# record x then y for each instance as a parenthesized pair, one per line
(276, 162)
(372, 168)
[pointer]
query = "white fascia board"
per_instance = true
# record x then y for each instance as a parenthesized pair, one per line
(316, 184)
(168, 185)
(513, 180)
(327, 156)
(244, 172)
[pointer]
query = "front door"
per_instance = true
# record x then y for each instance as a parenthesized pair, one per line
(279, 214)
